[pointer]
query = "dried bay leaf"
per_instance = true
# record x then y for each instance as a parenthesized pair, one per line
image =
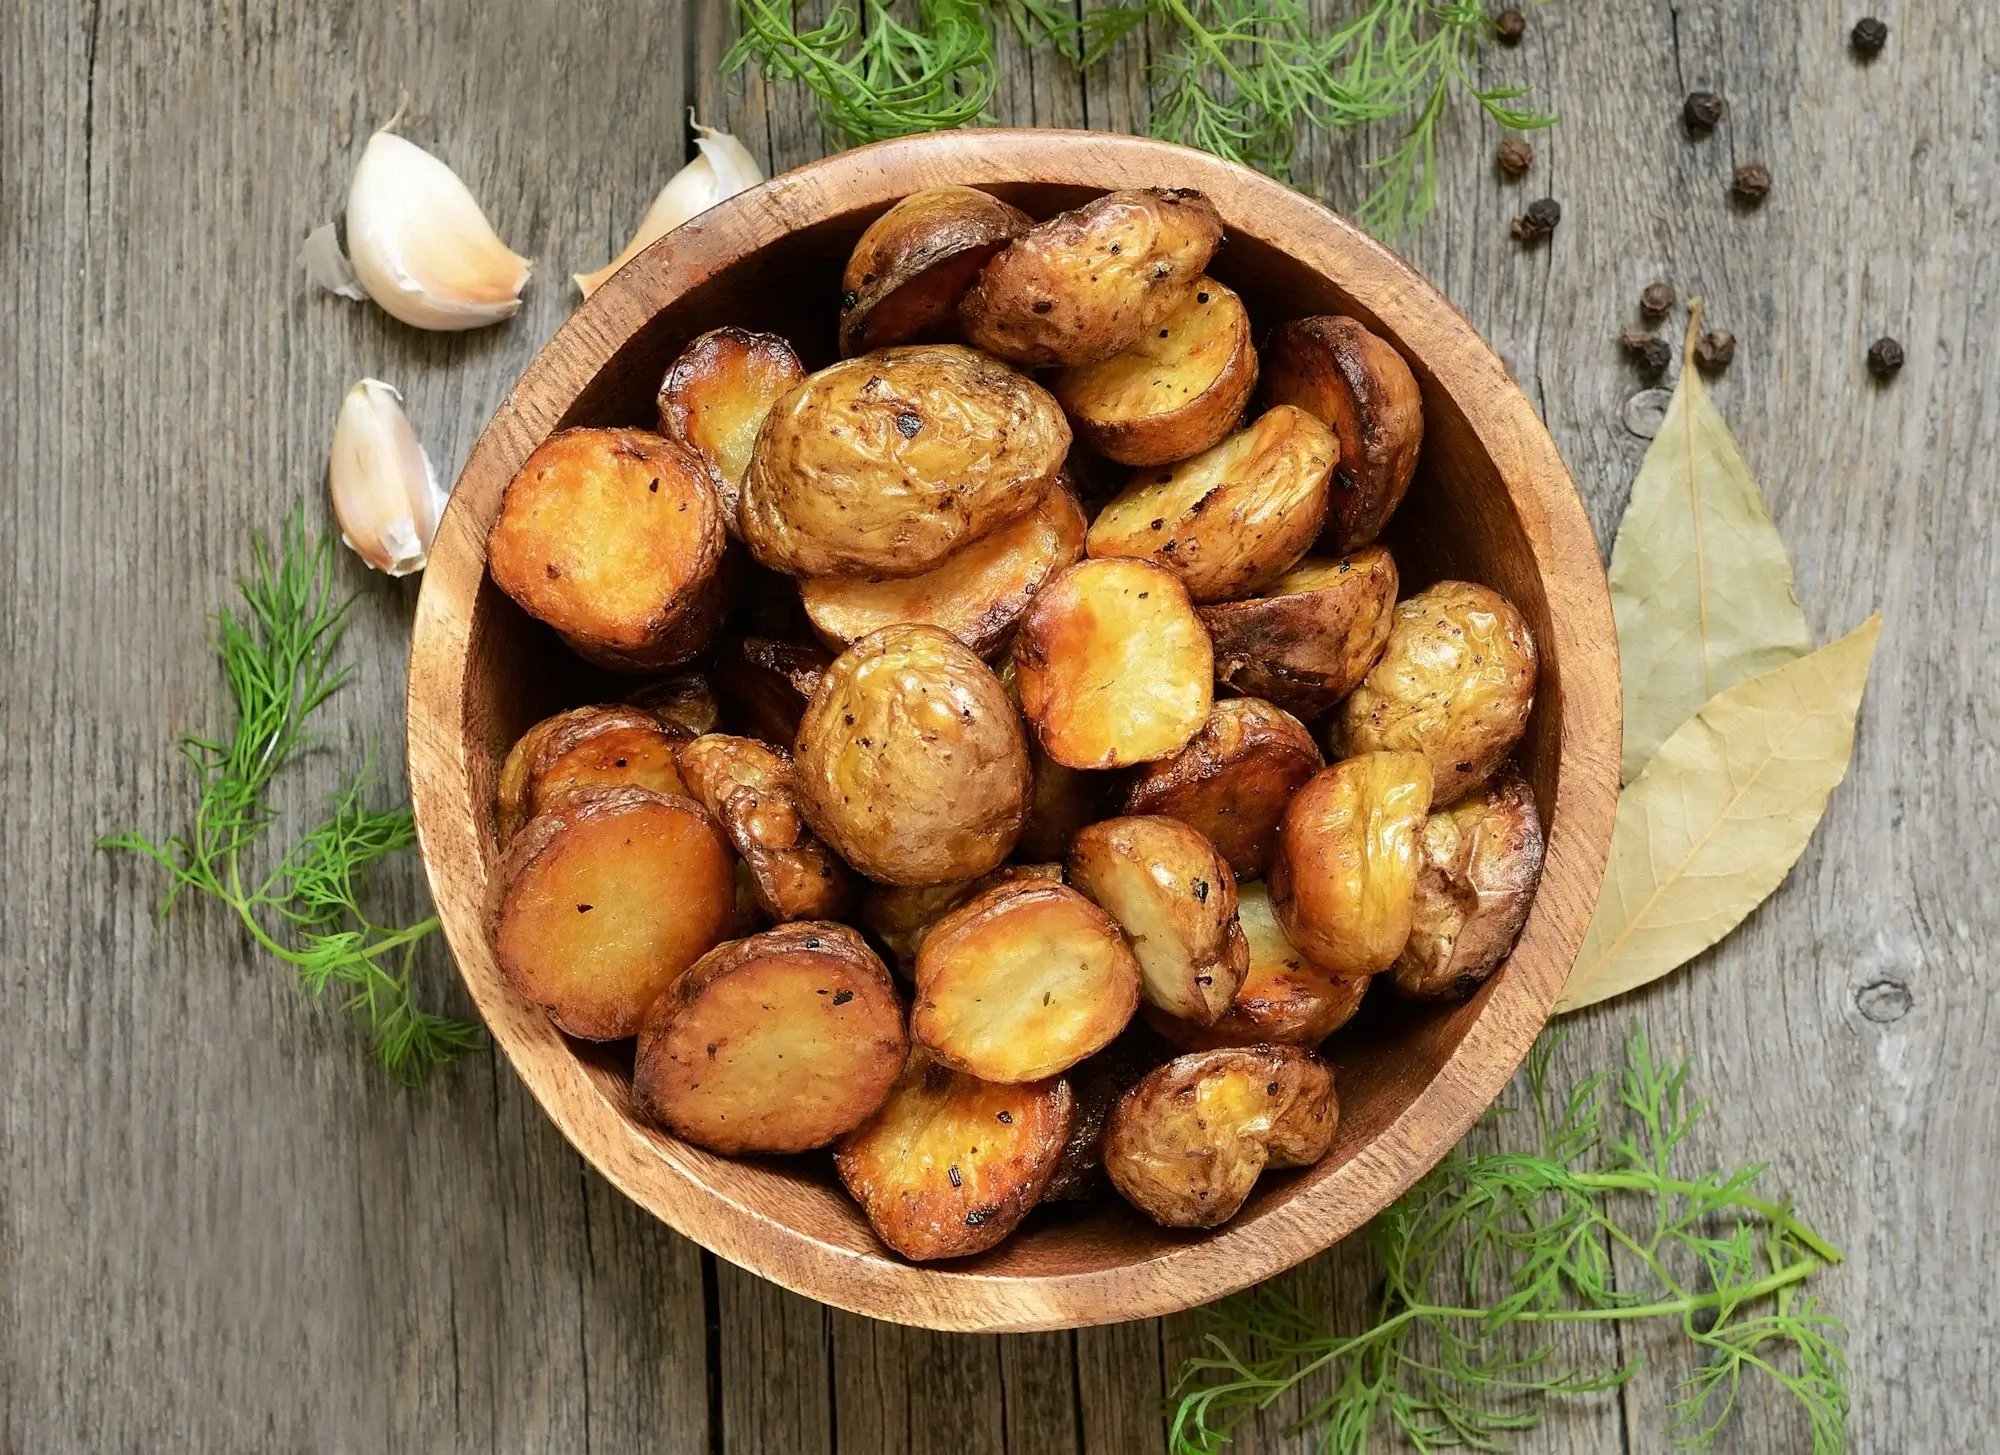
(1720, 815)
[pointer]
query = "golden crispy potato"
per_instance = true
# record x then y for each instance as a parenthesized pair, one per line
(1455, 683)
(1232, 781)
(886, 464)
(684, 702)
(1175, 899)
(905, 276)
(764, 685)
(1234, 518)
(749, 789)
(511, 794)
(714, 399)
(614, 537)
(911, 760)
(1481, 860)
(1175, 392)
(1112, 666)
(777, 1043)
(977, 594)
(950, 1165)
(1186, 1145)
(576, 915)
(900, 915)
(1097, 1082)
(587, 747)
(1021, 982)
(1344, 879)
(1312, 636)
(1084, 285)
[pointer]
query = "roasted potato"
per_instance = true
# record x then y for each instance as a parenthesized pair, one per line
(1344, 879)
(1480, 861)
(901, 915)
(977, 593)
(904, 278)
(685, 702)
(1112, 666)
(1232, 781)
(764, 685)
(749, 789)
(886, 464)
(577, 915)
(1097, 1082)
(950, 1164)
(614, 537)
(1455, 683)
(714, 399)
(1312, 636)
(1172, 394)
(511, 794)
(1358, 384)
(1087, 284)
(911, 760)
(1175, 898)
(587, 747)
(1186, 1144)
(777, 1043)
(1233, 519)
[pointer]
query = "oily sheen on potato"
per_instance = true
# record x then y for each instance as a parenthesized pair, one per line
(1232, 781)
(906, 275)
(714, 399)
(1479, 863)
(749, 789)
(1310, 638)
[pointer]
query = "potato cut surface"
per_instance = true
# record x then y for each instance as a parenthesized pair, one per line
(749, 788)
(1312, 636)
(605, 747)
(1479, 863)
(714, 399)
(1232, 781)
(906, 275)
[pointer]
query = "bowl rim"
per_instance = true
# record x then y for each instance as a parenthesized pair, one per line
(663, 1175)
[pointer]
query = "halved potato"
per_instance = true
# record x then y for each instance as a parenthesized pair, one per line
(1336, 370)
(1234, 518)
(1186, 1145)
(511, 793)
(1178, 390)
(905, 276)
(1232, 781)
(714, 399)
(777, 1043)
(900, 915)
(765, 685)
(577, 917)
(1481, 860)
(1312, 636)
(950, 1165)
(1175, 898)
(749, 789)
(1112, 666)
(1097, 1082)
(1021, 982)
(684, 701)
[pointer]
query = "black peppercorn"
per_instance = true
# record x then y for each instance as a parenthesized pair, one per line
(1885, 357)
(1868, 37)
(1753, 183)
(1648, 351)
(1703, 111)
(1715, 350)
(1657, 301)
(1515, 156)
(1511, 25)
(1539, 220)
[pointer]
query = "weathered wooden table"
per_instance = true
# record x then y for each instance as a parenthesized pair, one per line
(225, 1230)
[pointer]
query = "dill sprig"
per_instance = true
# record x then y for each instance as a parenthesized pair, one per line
(278, 655)
(1492, 1250)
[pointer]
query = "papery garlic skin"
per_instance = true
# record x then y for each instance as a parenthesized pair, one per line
(385, 494)
(723, 168)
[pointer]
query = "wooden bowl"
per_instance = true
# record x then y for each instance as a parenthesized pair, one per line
(1492, 502)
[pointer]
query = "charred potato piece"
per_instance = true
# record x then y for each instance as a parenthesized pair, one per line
(777, 1043)
(1455, 683)
(911, 761)
(1186, 1145)
(614, 537)
(1339, 372)
(1097, 1083)
(1232, 781)
(905, 276)
(1087, 284)
(1112, 666)
(765, 685)
(1312, 636)
(577, 915)
(685, 702)
(950, 1165)
(714, 399)
(1344, 879)
(1178, 390)
(1481, 860)
(886, 464)
(1175, 898)
(1233, 519)
(586, 747)
(1021, 982)
(750, 790)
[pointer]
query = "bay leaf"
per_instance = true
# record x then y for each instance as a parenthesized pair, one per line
(1718, 818)
(1700, 582)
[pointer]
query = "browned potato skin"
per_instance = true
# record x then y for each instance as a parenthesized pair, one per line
(765, 684)
(1185, 1146)
(749, 789)
(1312, 636)
(911, 760)
(586, 747)
(1179, 389)
(905, 276)
(1481, 860)
(1343, 882)
(685, 701)
(624, 840)
(1084, 285)
(511, 794)
(1232, 781)
(1233, 519)
(950, 1165)
(777, 1043)
(714, 399)
(1455, 683)
(885, 464)
(1335, 369)
(1098, 1082)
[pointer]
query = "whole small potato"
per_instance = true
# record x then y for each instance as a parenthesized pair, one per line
(1312, 636)
(1481, 860)
(1232, 781)
(905, 276)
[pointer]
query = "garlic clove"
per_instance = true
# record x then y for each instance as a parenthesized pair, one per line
(722, 168)
(385, 494)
